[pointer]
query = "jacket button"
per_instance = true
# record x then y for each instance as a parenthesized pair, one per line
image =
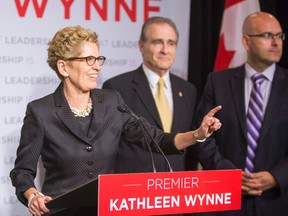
(89, 148)
(90, 163)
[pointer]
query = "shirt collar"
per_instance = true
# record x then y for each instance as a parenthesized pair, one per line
(153, 77)
(268, 73)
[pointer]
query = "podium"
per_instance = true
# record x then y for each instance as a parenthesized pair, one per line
(157, 193)
(84, 195)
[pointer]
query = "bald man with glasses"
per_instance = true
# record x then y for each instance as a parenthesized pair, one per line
(254, 135)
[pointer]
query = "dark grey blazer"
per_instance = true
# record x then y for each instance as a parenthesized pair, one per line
(226, 88)
(134, 88)
(70, 155)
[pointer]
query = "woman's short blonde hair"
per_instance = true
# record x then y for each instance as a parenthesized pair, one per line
(66, 43)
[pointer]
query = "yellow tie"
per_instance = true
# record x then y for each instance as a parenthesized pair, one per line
(163, 106)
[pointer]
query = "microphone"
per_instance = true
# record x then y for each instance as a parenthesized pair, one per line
(128, 111)
(142, 126)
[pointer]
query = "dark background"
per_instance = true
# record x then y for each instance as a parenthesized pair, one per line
(205, 25)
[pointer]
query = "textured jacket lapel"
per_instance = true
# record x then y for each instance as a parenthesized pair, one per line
(66, 115)
(98, 113)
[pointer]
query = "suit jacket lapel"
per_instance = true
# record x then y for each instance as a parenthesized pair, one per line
(178, 102)
(143, 90)
(278, 85)
(66, 115)
(98, 113)
(237, 86)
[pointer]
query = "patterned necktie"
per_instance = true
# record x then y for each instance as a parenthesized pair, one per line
(254, 120)
(163, 106)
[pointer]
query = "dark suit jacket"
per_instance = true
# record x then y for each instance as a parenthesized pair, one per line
(70, 155)
(226, 88)
(134, 88)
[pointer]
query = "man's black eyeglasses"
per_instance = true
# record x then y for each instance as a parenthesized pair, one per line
(89, 59)
(268, 35)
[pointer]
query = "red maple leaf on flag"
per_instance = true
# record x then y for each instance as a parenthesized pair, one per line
(224, 56)
(231, 53)
(230, 3)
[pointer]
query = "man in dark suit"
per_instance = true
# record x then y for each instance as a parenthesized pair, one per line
(264, 186)
(157, 44)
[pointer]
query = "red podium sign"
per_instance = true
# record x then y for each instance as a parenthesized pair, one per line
(169, 192)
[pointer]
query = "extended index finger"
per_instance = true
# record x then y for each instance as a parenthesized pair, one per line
(214, 110)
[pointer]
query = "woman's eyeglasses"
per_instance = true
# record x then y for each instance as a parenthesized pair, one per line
(89, 59)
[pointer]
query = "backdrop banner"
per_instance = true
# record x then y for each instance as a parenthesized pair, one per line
(26, 28)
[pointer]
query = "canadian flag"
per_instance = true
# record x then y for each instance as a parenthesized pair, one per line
(230, 50)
